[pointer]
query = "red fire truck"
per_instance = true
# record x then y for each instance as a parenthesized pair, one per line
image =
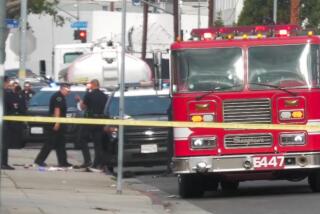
(257, 75)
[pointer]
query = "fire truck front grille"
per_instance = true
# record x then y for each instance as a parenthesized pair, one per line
(247, 111)
(245, 141)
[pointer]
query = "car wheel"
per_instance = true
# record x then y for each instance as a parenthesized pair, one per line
(190, 185)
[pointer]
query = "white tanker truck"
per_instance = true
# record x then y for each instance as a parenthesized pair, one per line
(103, 63)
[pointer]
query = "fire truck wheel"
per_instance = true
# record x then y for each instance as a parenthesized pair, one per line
(314, 181)
(229, 186)
(211, 182)
(190, 185)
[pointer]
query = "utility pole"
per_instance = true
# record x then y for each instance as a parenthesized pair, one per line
(176, 19)
(23, 40)
(112, 6)
(211, 13)
(3, 29)
(121, 99)
(294, 12)
(145, 30)
(78, 11)
(199, 13)
(275, 7)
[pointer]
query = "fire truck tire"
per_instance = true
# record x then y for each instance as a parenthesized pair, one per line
(211, 182)
(229, 186)
(190, 185)
(314, 181)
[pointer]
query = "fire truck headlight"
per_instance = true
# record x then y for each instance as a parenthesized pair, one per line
(203, 118)
(292, 139)
(208, 118)
(285, 115)
(292, 115)
(203, 142)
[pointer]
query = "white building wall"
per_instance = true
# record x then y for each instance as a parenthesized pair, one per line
(230, 10)
(47, 35)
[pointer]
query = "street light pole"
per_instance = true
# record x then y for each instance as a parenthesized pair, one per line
(275, 6)
(23, 41)
(78, 13)
(3, 29)
(199, 19)
(121, 99)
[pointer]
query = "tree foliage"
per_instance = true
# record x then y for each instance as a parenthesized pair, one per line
(309, 13)
(219, 22)
(258, 11)
(35, 7)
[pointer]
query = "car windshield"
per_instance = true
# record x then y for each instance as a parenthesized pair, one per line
(218, 69)
(140, 105)
(14, 73)
(290, 66)
(42, 98)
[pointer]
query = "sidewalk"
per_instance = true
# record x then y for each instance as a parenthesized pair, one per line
(28, 190)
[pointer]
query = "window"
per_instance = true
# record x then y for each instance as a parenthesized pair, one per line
(70, 57)
(140, 106)
(285, 66)
(218, 69)
(42, 98)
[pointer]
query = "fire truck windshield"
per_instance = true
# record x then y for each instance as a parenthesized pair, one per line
(222, 69)
(209, 69)
(290, 66)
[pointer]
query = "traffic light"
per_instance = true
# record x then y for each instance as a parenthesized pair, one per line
(80, 35)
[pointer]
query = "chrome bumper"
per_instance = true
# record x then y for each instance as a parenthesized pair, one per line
(240, 163)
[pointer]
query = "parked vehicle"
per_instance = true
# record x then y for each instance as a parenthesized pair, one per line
(36, 81)
(79, 63)
(39, 106)
(143, 146)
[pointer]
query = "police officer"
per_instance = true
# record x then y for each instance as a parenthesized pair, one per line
(94, 102)
(7, 132)
(84, 134)
(17, 106)
(27, 91)
(57, 108)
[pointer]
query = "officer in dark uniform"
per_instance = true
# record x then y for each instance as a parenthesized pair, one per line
(17, 106)
(7, 132)
(57, 108)
(84, 135)
(27, 91)
(94, 102)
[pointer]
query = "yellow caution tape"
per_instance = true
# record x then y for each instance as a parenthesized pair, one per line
(310, 128)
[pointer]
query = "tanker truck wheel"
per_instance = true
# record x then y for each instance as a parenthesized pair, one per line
(314, 181)
(229, 186)
(190, 185)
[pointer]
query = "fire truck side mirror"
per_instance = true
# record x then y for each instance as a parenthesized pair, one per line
(157, 61)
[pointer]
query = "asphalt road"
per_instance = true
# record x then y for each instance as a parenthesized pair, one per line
(253, 197)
